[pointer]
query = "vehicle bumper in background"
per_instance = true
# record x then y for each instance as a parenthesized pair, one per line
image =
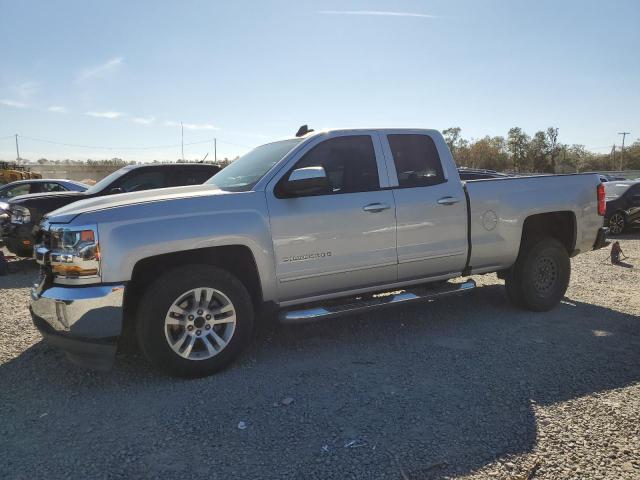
(601, 238)
(15, 236)
(84, 322)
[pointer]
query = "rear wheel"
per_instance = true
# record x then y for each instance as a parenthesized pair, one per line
(194, 320)
(540, 276)
(617, 223)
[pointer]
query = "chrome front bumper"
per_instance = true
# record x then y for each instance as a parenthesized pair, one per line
(84, 321)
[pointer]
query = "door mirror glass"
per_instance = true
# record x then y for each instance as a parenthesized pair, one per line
(307, 181)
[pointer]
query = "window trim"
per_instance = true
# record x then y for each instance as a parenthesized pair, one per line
(303, 148)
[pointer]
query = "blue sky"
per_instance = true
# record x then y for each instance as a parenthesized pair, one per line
(125, 74)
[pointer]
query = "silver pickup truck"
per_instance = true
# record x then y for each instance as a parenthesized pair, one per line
(321, 225)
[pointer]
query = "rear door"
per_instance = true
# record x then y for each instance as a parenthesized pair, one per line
(431, 210)
(147, 178)
(191, 176)
(341, 240)
(633, 195)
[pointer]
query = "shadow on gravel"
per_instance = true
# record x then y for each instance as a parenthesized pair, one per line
(419, 392)
(21, 274)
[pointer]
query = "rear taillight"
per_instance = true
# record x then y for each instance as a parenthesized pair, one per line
(602, 202)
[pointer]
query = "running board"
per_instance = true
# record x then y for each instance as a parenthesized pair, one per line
(379, 300)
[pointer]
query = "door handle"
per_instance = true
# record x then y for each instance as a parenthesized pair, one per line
(448, 201)
(376, 207)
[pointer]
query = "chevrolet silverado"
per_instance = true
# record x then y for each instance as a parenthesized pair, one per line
(316, 226)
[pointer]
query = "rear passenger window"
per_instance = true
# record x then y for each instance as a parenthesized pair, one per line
(349, 162)
(143, 180)
(52, 187)
(416, 159)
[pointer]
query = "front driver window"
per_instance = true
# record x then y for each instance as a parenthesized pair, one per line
(18, 190)
(349, 162)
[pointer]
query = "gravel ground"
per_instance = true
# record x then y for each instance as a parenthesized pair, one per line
(464, 387)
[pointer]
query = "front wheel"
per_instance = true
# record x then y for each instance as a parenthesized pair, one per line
(617, 223)
(540, 276)
(194, 320)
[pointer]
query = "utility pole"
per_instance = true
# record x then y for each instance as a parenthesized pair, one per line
(624, 134)
(215, 150)
(17, 149)
(182, 141)
(613, 157)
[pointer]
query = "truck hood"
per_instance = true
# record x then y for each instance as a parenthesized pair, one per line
(69, 212)
(22, 199)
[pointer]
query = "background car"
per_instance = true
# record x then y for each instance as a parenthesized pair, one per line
(24, 187)
(45, 185)
(623, 205)
(26, 211)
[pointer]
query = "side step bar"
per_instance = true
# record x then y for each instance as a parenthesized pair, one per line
(380, 300)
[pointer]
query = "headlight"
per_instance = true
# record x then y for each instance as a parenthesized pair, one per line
(75, 254)
(19, 214)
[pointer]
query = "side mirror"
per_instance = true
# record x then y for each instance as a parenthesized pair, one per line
(115, 190)
(306, 181)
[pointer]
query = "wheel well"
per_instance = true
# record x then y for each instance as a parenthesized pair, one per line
(559, 225)
(236, 259)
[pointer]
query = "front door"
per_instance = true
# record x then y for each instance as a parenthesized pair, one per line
(340, 240)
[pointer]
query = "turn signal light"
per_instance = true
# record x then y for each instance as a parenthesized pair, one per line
(602, 202)
(74, 270)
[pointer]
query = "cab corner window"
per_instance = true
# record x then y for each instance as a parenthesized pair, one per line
(416, 160)
(349, 163)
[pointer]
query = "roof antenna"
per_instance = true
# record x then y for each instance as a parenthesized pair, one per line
(303, 130)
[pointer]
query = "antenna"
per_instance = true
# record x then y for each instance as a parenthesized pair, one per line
(303, 130)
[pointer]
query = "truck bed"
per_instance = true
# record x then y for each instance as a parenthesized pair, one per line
(499, 206)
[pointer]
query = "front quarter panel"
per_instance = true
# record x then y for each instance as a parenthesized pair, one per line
(131, 233)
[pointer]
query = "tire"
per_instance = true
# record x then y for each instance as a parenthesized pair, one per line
(214, 327)
(617, 223)
(540, 276)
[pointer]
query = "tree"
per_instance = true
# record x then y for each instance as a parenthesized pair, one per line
(577, 157)
(537, 151)
(452, 136)
(517, 143)
(553, 147)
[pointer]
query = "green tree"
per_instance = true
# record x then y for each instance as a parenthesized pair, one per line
(517, 144)
(452, 137)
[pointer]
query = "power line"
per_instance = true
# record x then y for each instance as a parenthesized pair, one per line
(105, 147)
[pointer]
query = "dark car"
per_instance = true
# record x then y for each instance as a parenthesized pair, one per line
(24, 187)
(623, 205)
(479, 174)
(27, 210)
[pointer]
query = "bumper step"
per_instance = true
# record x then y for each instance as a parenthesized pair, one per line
(320, 311)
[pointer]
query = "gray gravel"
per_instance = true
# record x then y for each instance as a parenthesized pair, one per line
(464, 387)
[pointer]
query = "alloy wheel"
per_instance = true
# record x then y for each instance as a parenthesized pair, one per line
(616, 223)
(200, 323)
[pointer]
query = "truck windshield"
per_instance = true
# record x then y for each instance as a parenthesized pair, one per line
(242, 174)
(614, 190)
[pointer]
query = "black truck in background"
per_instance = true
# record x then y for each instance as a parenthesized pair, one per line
(26, 211)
